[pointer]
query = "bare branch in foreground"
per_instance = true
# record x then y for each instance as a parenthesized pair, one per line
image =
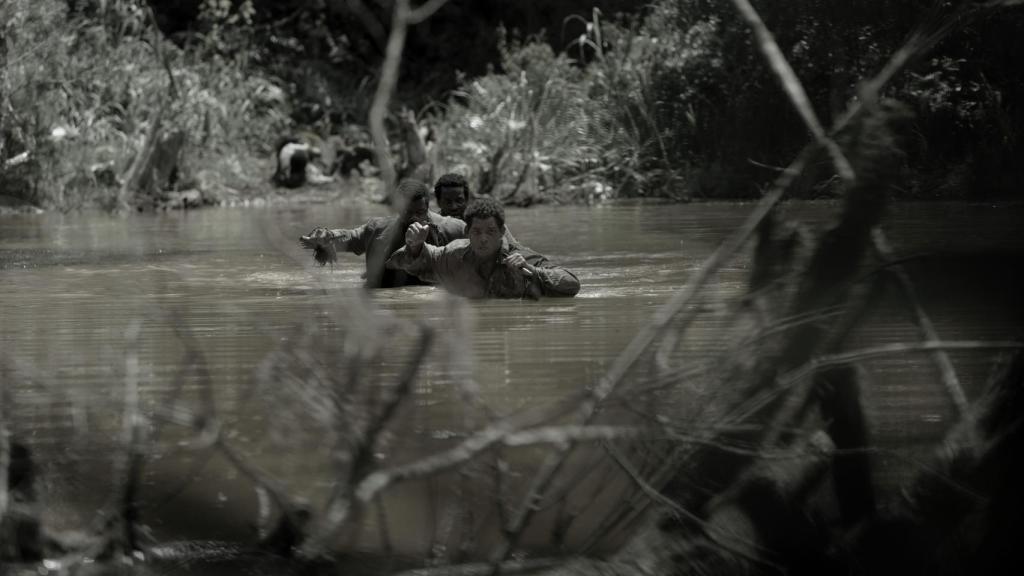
(793, 88)
(5, 439)
(675, 309)
(340, 503)
(924, 323)
(482, 569)
(128, 471)
(794, 376)
(425, 11)
(501, 433)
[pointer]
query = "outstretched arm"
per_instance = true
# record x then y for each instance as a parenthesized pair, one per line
(353, 240)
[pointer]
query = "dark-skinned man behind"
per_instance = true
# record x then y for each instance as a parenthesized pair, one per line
(452, 194)
(483, 265)
(380, 237)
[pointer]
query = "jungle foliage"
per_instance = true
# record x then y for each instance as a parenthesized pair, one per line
(676, 102)
(567, 102)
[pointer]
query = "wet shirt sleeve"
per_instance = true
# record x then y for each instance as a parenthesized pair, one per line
(447, 229)
(551, 280)
(355, 240)
(429, 262)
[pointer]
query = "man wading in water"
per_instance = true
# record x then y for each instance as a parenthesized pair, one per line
(381, 236)
(452, 194)
(483, 265)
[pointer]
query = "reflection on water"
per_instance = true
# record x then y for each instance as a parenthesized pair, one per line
(237, 282)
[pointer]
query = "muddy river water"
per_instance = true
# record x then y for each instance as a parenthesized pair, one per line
(191, 305)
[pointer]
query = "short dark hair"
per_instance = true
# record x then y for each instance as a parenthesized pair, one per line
(451, 180)
(484, 207)
(411, 190)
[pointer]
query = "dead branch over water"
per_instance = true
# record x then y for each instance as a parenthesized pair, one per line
(766, 469)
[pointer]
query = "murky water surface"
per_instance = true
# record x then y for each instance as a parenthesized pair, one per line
(87, 298)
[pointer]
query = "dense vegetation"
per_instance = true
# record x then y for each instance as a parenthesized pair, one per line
(579, 102)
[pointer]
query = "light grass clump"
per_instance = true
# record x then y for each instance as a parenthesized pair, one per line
(80, 95)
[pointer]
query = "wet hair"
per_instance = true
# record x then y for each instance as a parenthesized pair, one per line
(451, 180)
(484, 207)
(412, 190)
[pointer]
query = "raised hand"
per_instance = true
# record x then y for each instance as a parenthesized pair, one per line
(415, 235)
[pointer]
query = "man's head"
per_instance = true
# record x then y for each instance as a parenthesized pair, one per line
(485, 226)
(452, 194)
(415, 195)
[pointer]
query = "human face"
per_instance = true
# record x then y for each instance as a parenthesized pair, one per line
(485, 237)
(452, 201)
(416, 210)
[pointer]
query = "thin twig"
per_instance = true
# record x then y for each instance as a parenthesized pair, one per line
(504, 433)
(382, 96)
(852, 356)
(481, 569)
(651, 492)
(158, 47)
(370, 22)
(793, 378)
(675, 307)
(6, 399)
(425, 11)
(129, 475)
(259, 478)
(339, 506)
(793, 88)
(924, 323)
(382, 526)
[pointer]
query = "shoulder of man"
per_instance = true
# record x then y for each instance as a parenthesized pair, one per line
(457, 244)
(452, 226)
(533, 257)
(381, 221)
(378, 224)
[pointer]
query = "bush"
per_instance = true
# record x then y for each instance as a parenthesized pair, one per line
(83, 92)
(680, 102)
(521, 132)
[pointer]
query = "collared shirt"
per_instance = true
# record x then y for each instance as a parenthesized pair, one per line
(381, 236)
(458, 269)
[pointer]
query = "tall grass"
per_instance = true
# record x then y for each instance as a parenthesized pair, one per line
(612, 121)
(80, 94)
(675, 103)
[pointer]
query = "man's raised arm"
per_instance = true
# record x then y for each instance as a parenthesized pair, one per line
(416, 256)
